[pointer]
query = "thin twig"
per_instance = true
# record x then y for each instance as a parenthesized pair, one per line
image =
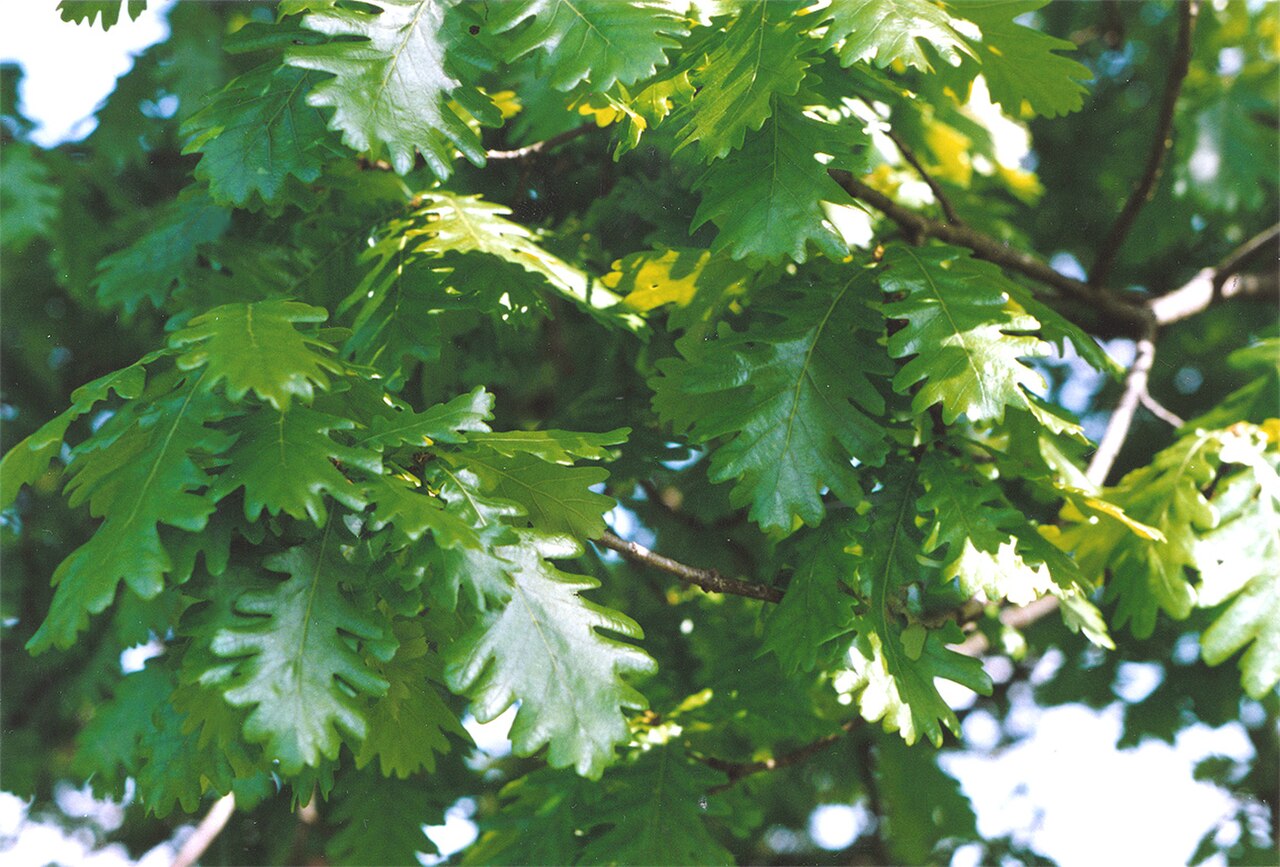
(1160, 145)
(938, 193)
(708, 579)
(1131, 317)
(735, 771)
(206, 832)
(1159, 410)
(1015, 618)
(1202, 290)
(544, 145)
(1122, 417)
(1240, 256)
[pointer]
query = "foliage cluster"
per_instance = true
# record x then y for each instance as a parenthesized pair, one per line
(355, 330)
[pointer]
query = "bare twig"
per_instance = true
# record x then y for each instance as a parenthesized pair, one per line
(544, 145)
(1131, 317)
(1160, 145)
(1122, 417)
(938, 192)
(1159, 410)
(708, 579)
(735, 771)
(1237, 258)
(206, 832)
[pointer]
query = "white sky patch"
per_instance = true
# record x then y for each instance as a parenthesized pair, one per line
(492, 737)
(69, 69)
(835, 826)
(1141, 806)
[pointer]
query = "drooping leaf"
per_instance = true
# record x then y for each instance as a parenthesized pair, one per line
(964, 339)
(1149, 574)
(544, 651)
(597, 41)
(553, 446)
(397, 87)
(923, 805)
(285, 461)
(766, 197)
(150, 267)
(410, 724)
(652, 812)
(445, 422)
(256, 347)
(1018, 62)
(759, 57)
(794, 396)
(887, 31)
(295, 668)
(896, 666)
(556, 498)
(29, 199)
(805, 629)
(380, 820)
(256, 133)
(29, 460)
(149, 475)
(1238, 561)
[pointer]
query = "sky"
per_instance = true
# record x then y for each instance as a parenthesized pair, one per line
(1044, 789)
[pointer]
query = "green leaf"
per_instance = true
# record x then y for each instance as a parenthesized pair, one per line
(255, 347)
(651, 812)
(805, 628)
(29, 199)
(409, 725)
(766, 198)
(553, 446)
(150, 267)
(256, 133)
(758, 58)
(449, 223)
(556, 498)
(414, 512)
(481, 571)
(295, 667)
(1018, 62)
(597, 41)
(983, 537)
(543, 650)
(445, 422)
(29, 460)
(396, 87)
(923, 806)
(965, 335)
(380, 821)
(286, 463)
(149, 475)
(887, 31)
(1238, 562)
(1149, 574)
(81, 11)
(541, 821)
(893, 685)
(795, 397)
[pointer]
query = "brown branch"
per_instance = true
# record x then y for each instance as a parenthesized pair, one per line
(736, 771)
(206, 832)
(545, 145)
(1131, 317)
(1160, 145)
(938, 193)
(708, 579)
